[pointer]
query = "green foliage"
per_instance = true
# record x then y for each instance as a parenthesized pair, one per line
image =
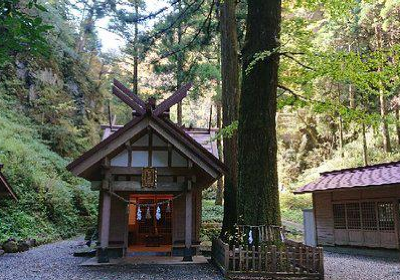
(292, 206)
(22, 29)
(212, 212)
(52, 203)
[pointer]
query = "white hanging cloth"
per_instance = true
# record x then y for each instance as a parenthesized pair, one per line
(139, 214)
(250, 236)
(158, 213)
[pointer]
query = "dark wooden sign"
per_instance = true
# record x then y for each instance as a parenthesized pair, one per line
(149, 177)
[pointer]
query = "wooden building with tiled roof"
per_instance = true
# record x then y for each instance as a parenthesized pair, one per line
(357, 206)
(150, 174)
(5, 188)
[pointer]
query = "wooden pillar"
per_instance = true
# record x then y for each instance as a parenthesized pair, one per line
(396, 211)
(102, 255)
(187, 256)
(105, 221)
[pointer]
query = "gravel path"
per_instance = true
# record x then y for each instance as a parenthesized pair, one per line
(55, 261)
(351, 267)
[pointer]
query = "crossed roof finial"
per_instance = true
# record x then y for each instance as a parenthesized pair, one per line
(140, 107)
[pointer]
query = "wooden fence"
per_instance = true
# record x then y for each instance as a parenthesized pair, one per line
(288, 260)
(264, 234)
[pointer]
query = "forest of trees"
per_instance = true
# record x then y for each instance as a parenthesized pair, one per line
(295, 87)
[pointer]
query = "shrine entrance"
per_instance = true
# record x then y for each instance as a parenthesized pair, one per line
(150, 223)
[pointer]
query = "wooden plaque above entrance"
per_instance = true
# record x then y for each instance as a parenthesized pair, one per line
(149, 177)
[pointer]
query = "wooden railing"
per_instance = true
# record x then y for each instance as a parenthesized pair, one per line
(288, 260)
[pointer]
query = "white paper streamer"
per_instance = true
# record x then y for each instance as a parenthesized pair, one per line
(139, 214)
(250, 237)
(158, 213)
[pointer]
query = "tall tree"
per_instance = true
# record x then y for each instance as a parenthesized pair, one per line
(179, 65)
(230, 101)
(136, 49)
(258, 194)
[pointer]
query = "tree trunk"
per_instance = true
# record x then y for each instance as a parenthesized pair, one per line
(365, 148)
(86, 27)
(220, 182)
(382, 100)
(258, 193)
(397, 124)
(136, 50)
(341, 141)
(352, 99)
(230, 102)
(179, 68)
(385, 128)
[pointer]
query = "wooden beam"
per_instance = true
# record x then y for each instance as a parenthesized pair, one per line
(128, 101)
(161, 171)
(187, 256)
(129, 149)
(150, 144)
(169, 155)
(146, 148)
(125, 90)
(133, 186)
(172, 100)
(107, 149)
(184, 149)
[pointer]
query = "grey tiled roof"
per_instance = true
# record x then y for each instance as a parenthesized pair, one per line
(374, 175)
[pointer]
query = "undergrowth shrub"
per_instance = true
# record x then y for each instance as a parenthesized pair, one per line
(52, 203)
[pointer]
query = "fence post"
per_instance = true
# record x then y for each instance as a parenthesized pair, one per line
(321, 263)
(234, 257)
(301, 257)
(226, 256)
(247, 257)
(273, 258)
(240, 258)
(213, 250)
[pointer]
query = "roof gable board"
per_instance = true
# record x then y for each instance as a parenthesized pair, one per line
(191, 149)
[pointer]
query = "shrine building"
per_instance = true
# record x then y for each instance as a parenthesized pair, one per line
(150, 174)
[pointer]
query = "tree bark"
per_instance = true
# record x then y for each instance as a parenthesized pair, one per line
(136, 50)
(86, 27)
(220, 182)
(382, 100)
(365, 148)
(179, 68)
(385, 128)
(341, 140)
(397, 124)
(230, 102)
(258, 193)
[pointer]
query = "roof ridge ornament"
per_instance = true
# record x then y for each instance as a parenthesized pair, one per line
(140, 107)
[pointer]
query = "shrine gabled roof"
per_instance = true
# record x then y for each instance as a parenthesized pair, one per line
(148, 115)
(362, 177)
(203, 136)
(5, 187)
(119, 136)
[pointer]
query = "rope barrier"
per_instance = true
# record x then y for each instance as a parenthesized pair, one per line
(144, 204)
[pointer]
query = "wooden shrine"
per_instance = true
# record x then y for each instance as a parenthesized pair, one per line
(150, 174)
